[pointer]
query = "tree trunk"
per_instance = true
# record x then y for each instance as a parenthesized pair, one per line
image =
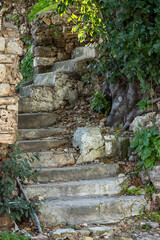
(124, 97)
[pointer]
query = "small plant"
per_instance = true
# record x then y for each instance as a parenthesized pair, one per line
(99, 103)
(147, 145)
(144, 104)
(26, 68)
(13, 236)
(10, 170)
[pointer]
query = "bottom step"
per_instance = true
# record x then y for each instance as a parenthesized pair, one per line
(91, 210)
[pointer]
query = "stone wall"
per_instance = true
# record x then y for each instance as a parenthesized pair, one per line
(52, 40)
(10, 50)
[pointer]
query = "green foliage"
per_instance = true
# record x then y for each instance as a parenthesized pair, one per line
(40, 7)
(147, 145)
(12, 236)
(99, 103)
(138, 190)
(11, 169)
(129, 31)
(26, 67)
(144, 104)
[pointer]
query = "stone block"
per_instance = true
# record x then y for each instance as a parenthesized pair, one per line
(6, 59)
(43, 61)
(4, 89)
(7, 101)
(90, 142)
(116, 146)
(6, 138)
(2, 44)
(110, 145)
(13, 47)
(65, 233)
(2, 72)
(13, 108)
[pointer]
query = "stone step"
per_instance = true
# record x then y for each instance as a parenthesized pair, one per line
(41, 145)
(84, 172)
(78, 65)
(88, 52)
(86, 188)
(31, 134)
(54, 78)
(45, 79)
(36, 120)
(52, 159)
(102, 210)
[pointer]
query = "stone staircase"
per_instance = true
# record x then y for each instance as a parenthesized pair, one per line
(74, 193)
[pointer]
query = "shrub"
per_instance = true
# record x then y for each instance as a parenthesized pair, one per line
(13, 236)
(99, 103)
(10, 170)
(147, 145)
(26, 67)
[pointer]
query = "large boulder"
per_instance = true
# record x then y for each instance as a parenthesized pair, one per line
(90, 143)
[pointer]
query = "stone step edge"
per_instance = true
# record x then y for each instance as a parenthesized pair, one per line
(108, 186)
(91, 210)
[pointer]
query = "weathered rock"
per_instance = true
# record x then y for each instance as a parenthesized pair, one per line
(101, 231)
(2, 72)
(43, 61)
(65, 233)
(155, 177)
(13, 47)
(156, 199)
(116, 146)
(145, 120)
(90, 142)
(153, 224)
(2, 44)
(4, 89)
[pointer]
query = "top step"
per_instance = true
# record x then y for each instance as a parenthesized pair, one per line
(88, 52)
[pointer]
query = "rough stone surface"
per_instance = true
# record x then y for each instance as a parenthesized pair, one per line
(4, 89)
(55, 47)
(41, 145)
(2, 44)
(50, 159)
(94, 210)
(36, 120)
(86, 172)
(145, 120)
(10, 50)
(155, 177)
(49, 92)
(90, 142)
(87, 188)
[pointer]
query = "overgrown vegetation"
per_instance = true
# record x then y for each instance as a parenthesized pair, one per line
(10, 199)
(147, 145)
(12, 236)
(40, 7)
(99, 103)
(26, 67)
(129, 31)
